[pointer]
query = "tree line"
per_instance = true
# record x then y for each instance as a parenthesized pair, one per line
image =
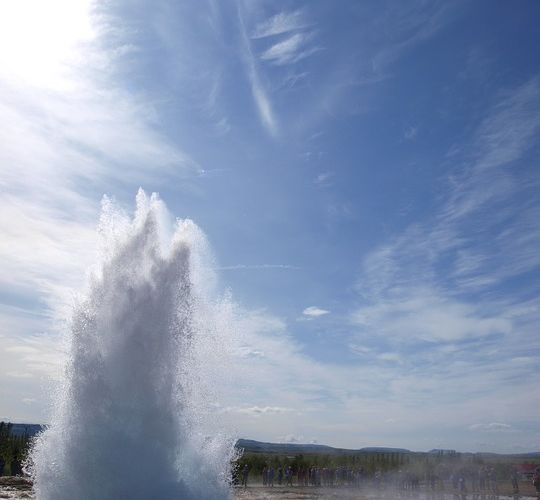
(14, 449)
(423, 464)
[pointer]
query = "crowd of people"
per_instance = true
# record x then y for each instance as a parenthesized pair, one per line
(463, 480)
(312, 476)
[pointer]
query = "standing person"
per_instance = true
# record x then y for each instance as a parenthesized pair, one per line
(461, 484)
(515, 481)
(474, 481)
(288, 476)
(492, 481)
(280, 475)
(245, 474)
(536, 481)
(2, 465)
(271, 476)
(265, 475)
(377, 479)
(482, 479)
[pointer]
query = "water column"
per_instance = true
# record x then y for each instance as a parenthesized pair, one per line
(129, 417)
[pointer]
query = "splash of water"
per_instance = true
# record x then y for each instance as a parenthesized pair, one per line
(131, 419)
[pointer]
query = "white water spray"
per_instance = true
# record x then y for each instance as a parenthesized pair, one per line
(132, 418)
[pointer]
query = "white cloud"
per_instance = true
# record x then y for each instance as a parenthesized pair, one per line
(360, 349)
(290, 50)
(491, 427)
(389, 356)
(263, 102)
(69, 134)
(314, 311)
(410, 133)
(256, 266)
(260, 96)
(412, 24)
(211, 109)
(30, 360)
(28, 351)
(92, 135)
(432, 297)
(261, 410)
(291, 438)
(511, 128)
(324, 178)
(36, 254)
(58, 144)
(282, 22)
(425, 314)
(469, 244)
(506, 134)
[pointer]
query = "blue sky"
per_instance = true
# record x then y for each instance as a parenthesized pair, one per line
(366, 172)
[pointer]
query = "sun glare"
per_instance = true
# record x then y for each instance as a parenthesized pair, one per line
(39, 39)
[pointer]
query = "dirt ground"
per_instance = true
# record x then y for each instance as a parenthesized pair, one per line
(258, 492)
(20, 488)
(295, 493)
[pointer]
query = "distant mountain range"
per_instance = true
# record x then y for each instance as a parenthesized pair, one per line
(30, 429)
(252, 446)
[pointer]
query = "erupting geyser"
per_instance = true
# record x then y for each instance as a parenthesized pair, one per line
(131, 419)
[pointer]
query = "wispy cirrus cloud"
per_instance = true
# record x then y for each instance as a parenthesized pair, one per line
(260, 96)
(460, 248)
(511, 127)
(255, 266)
(436, 292)
(412, 24)
(211, 108)
(290, 50)
(84, 139)
(280, 40)
(282, 22)
(71, 132)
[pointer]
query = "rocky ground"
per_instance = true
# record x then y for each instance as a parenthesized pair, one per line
(15, 487)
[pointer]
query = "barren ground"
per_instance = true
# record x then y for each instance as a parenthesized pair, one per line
(19, 488)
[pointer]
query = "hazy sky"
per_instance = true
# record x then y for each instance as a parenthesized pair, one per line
(367, 173)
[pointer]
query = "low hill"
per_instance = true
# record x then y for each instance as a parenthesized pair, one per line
(252, 446)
